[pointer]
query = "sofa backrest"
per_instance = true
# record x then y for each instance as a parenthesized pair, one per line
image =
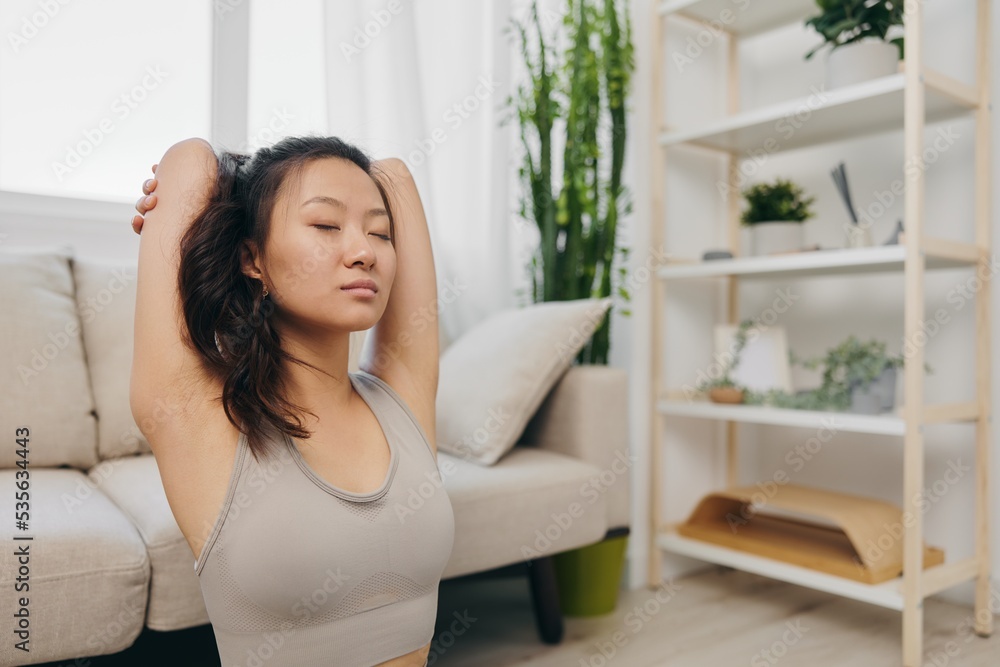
(105, 296)
(44, 379)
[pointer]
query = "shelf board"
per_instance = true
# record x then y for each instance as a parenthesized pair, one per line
(756, 17)
(826, 115)
(814, 263)
(887, 594)
(886, 424)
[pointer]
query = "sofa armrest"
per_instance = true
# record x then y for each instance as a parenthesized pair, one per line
(586, 416)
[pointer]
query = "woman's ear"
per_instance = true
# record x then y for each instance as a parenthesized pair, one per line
(250, 260)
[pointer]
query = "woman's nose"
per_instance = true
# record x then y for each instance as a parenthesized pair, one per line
(360, 248)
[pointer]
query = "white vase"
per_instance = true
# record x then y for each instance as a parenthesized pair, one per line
(861, 61)
(775, 236)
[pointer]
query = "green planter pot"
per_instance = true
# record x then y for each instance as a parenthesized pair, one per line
(589, 577)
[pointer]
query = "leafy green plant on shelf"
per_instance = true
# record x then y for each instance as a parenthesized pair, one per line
(779, 201)
(851, 364)
(846, 21)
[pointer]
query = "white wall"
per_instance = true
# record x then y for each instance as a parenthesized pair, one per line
(829, 309)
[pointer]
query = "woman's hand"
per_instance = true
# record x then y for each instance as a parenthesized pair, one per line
(146, 202)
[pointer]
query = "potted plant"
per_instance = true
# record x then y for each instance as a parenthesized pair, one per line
(574, 98)
(775, 213)
(857, 32)
(724, 389)
(859, 376)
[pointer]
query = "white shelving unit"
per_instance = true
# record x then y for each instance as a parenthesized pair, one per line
(909, 100)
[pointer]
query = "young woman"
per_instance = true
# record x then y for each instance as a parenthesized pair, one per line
(289, 476)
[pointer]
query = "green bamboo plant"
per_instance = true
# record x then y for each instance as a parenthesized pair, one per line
(579, 91)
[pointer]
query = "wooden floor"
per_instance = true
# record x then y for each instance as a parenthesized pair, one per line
(717, 618)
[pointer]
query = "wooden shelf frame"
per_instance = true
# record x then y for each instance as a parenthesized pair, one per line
(910, 100)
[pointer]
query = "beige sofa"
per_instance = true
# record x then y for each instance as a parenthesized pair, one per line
(105, 557)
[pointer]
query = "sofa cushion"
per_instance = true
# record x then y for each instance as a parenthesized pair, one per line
(87, 570)
(106, 292)
(585, 417)
(43, 377)
(532, 503)
(494, 377)
(134, 484)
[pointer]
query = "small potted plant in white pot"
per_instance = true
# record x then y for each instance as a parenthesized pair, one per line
(858, 32)
(775, 213)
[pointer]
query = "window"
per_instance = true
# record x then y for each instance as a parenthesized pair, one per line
(92, 94)
(287, 86)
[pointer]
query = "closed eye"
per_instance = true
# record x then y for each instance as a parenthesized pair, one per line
(384, 237)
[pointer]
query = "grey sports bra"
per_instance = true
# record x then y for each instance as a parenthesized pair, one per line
(299, 572)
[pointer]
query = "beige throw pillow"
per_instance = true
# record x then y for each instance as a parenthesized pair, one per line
(495, 376)
(44, 382)
(106, 295)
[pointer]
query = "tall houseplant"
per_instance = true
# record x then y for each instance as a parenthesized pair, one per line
(575, 100)
(576, 94)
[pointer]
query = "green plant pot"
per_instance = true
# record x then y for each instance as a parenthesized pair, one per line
(589, 577)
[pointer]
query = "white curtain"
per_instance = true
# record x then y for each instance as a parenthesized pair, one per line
(426, 82)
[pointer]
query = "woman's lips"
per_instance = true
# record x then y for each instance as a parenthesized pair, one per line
(362, 292)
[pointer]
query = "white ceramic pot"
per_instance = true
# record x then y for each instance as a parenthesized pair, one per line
(776, 236)
(861, 61)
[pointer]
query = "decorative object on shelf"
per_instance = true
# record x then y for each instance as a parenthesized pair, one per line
(760, 359)
(896, 238)
(709, 255)
(878, 396)
(853, 547)
(775, 213)
(579, 93)
(858, 377)
(570, 97)
(857, 31)
(731, 395)
(724, 389)
(857, 236)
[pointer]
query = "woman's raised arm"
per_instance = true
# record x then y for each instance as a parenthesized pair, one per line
(163, 367)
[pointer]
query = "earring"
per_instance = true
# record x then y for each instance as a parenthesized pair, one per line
(264, 296)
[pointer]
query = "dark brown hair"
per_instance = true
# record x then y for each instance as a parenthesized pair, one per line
(228, 320)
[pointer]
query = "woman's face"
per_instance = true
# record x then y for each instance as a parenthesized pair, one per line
(329, 230)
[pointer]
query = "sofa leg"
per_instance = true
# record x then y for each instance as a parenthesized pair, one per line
(545, 599)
